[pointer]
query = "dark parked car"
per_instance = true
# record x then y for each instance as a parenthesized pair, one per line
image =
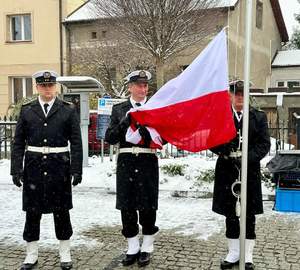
(94, 143)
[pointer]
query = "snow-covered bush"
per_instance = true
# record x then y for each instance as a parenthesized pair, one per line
(266, 178)
(207, 176)
(173, 169)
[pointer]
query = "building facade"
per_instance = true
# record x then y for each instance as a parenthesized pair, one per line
(269, 33)
(31, 39)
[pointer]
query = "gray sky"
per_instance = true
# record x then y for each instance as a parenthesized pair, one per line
(289, 8)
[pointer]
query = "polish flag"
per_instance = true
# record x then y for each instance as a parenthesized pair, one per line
(193, 110)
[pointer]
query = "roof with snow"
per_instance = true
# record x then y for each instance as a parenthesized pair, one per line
(87, 11)
(289, 58)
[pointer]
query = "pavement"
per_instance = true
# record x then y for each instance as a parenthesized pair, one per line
(277, 247)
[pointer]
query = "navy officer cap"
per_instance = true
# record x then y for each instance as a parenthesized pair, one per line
(237, 86)
(142, 76)
(45, 76)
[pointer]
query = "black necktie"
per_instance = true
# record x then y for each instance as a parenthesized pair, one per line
(46, 105)
(138, 104)
(239, 114)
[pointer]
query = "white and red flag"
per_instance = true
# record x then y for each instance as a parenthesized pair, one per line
(193, 110)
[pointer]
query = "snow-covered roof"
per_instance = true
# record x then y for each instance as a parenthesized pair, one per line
(88, 11)
(287, 58)
(83, 83)
(226, 3)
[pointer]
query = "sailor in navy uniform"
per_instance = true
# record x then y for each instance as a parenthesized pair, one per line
(227, 173)
(137, 174)
(44, 129)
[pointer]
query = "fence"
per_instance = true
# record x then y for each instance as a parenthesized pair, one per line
(283, 138)
(7, 131)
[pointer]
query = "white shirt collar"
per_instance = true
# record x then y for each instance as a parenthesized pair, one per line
(236, 114)
(133, 102)
(51, 102)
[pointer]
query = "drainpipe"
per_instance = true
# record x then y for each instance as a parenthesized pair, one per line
(61, 39)
(68, 48)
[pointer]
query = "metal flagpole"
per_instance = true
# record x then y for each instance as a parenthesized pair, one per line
(247, 64)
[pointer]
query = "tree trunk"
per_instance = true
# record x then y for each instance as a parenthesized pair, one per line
(159, 72)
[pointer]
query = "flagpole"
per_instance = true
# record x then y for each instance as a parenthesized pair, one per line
(247, 65)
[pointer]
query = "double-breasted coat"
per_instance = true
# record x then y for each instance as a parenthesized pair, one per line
(226, 172)
(137, 175)
(47, 177)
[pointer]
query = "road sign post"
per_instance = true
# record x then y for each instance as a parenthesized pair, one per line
(105, 105)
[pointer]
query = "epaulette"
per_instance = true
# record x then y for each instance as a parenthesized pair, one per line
(27, 102)
(259, 110)
(121, 104)
(67, 102)
(256, 109)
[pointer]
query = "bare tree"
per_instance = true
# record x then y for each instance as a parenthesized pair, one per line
(106, 60)
(163, 28)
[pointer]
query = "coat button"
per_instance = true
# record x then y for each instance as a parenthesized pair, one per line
(45, 157)
(45, 140)
(45, 173)
(45, 124)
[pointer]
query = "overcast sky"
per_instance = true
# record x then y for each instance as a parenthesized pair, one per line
(289, 8)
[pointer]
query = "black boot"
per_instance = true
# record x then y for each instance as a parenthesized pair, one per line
(144, 259)
(28, 266)
(66, 265)
(228, 265)
(130, 259)
(249, 266)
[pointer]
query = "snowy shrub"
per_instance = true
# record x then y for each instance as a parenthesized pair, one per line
(173, 169)
(207, 176)
(266, 178)
(201, 182)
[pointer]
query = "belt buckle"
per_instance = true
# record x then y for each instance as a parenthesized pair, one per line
(46, 150)
(236, 154)
(135, 150)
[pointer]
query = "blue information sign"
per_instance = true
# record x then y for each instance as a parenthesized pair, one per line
(102, 125)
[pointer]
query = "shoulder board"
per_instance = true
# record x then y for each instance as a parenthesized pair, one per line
(28, 102)
(67, 102)
(259, 110)
(121, 104)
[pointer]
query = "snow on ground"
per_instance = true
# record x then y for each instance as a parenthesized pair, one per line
(94, 203)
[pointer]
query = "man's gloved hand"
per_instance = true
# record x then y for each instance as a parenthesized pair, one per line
(145, 134)
(77, 178)
(228, 148)
(17, 179)
(125, 121)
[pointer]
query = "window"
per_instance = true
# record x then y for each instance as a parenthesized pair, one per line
(93, 35)
(292, 84)
(20, 27)
(280, 84)
(259, 14)
(21, 88)
(104, 33)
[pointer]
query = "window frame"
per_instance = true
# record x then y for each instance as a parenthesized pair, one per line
(94, 35)
(284, 83)
(10, 32)
(24, 87)
(104, 34)
(292, 81)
